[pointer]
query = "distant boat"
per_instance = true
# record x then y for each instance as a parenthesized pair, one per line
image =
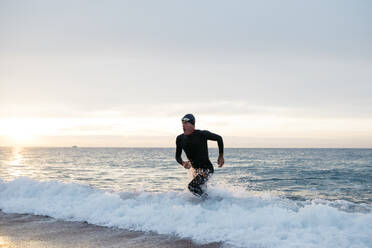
(74, 146)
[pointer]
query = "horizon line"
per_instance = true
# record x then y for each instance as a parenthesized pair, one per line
(169, 147)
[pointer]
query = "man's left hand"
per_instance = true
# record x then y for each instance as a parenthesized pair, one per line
(220, 161)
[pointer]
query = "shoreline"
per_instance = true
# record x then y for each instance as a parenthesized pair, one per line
(31, 231)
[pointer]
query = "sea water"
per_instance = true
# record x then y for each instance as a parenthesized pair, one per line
(260, 198)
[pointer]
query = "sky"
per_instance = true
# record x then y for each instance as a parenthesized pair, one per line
(123, 73)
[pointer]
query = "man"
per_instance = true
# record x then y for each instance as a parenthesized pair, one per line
(194, 144)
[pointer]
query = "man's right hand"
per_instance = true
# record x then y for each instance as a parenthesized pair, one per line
(220, 161)
(186, 164)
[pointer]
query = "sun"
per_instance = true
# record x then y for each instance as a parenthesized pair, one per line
(18, 132)
(21, 136)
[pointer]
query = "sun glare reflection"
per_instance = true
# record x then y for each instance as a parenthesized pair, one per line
(14, 165)
(5, 242)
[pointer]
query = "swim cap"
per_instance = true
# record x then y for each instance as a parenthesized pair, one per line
(189, 118)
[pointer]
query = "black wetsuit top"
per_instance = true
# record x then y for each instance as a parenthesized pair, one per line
(196, 148)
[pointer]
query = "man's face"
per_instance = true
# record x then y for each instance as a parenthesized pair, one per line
(188, 128)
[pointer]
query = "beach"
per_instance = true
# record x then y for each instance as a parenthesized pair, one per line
(33, 231)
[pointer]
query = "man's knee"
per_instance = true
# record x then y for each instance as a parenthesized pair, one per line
(195, 188)
(191, 187)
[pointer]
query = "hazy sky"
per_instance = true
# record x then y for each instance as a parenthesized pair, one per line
(123, 73)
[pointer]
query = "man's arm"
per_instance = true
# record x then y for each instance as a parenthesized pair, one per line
(185, 164)
(215, 137)
(218, 138)
(178, 150)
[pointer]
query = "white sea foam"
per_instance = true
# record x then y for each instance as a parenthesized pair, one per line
(240, 218)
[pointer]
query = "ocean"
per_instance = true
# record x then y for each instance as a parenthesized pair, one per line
(138, 197)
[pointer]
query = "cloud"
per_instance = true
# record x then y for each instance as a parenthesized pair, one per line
(95, 67)
(70, 26)
(54, 84)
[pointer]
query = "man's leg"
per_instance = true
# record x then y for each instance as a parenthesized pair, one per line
(195, 186)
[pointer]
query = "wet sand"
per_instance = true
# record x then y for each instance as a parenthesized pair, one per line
(31, 231)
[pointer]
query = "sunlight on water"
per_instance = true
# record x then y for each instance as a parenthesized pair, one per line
(15, 164)
(5, 242)
(110, 169)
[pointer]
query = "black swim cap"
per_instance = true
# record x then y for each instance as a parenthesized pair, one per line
(189, 118)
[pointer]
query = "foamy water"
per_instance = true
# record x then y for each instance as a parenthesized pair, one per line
(246, 207)
(238, 219)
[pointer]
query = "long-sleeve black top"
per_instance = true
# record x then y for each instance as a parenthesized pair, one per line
(196, 148)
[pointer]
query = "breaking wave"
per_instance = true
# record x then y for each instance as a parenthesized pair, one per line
(232, 216)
